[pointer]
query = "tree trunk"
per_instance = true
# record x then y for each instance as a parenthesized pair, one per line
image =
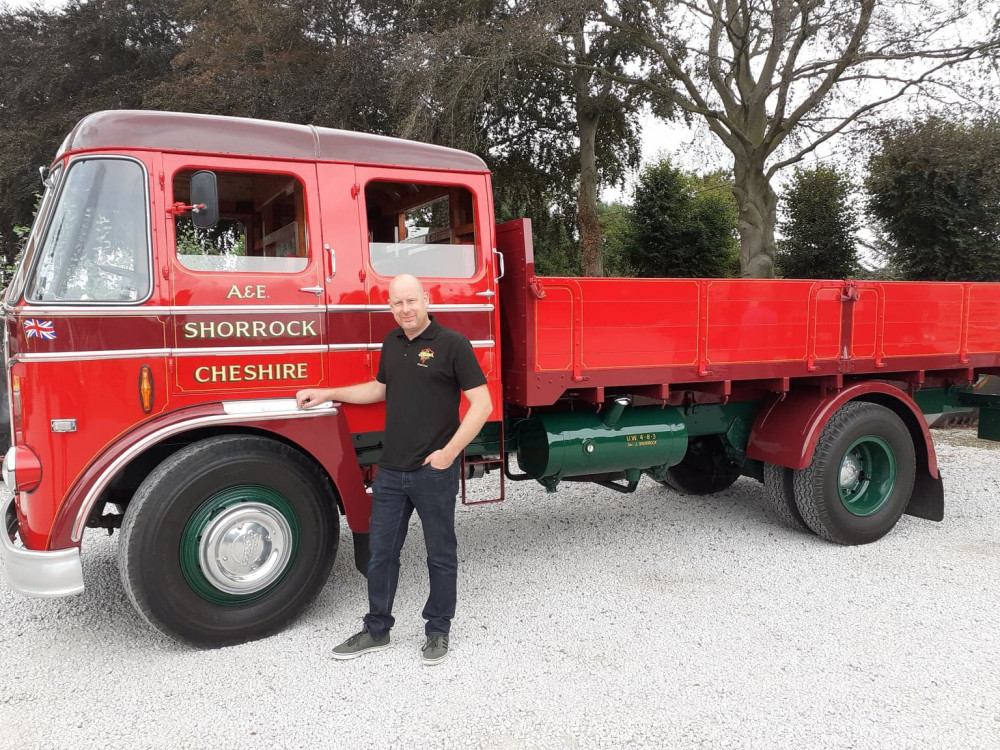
(588, 116)
(758, 206)
(592, 260)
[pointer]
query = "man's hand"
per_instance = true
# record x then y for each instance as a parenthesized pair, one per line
(480, 406)
(362, 393)
(439, 459)
(309, 397)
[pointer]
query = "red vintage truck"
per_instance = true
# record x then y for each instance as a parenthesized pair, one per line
(187, 274)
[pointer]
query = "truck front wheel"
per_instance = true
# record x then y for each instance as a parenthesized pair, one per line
(861, 475)
(228, 539)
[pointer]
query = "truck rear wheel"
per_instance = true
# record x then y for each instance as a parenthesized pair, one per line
(705, 469)
(861, 475)
(779, 495)
(228, 540)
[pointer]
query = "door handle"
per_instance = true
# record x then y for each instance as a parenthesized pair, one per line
(487, 293)
(500, 263)
(317, 290)
(331, 265)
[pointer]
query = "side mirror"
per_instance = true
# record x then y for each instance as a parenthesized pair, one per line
(47, 177)
(205, 196)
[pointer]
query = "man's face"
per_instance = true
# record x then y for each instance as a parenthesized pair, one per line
(409, 306)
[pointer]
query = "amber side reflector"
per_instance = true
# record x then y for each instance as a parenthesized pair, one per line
(146, 389)
(16, 395)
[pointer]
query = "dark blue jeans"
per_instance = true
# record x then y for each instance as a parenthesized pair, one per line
(395, 495)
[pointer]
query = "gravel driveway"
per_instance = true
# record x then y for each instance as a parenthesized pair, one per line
(587, 619)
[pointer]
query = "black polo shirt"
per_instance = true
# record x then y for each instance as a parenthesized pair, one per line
(424, 379)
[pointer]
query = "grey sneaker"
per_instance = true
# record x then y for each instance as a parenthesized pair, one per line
(358, 644)
(435, 649)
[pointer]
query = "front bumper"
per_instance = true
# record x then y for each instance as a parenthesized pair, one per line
(43, 574)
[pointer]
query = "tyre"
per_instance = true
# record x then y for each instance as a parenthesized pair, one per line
(228, 540)
(779, 496)
(861, 476)
(705, 468)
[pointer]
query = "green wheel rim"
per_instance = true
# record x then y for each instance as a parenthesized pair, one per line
(239, 544)
(867, 475)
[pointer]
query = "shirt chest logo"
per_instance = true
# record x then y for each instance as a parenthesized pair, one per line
(425, 356)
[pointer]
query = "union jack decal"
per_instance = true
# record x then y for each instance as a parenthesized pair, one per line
(39, 329)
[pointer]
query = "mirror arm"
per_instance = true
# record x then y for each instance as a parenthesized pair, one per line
(178, 208)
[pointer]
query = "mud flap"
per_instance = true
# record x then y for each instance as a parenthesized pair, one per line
(361, 553)
(927, 500)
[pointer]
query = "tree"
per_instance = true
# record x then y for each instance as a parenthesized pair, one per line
(245, 57)
(617, 238)
(579, 46)
(684, 225)
(774, 79)
(515, 83)
(934, 191)
(819, 231)
(62, 65)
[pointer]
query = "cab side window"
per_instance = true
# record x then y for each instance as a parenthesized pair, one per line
(426, 230)
(262, 226)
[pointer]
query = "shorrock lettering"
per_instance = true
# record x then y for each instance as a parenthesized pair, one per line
(250, 329)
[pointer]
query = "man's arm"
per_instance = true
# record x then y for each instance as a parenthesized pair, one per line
(362, 393)
(480, 408)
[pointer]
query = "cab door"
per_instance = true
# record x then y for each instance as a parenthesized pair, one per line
(436, 226)
(348, 325)
(247, 297)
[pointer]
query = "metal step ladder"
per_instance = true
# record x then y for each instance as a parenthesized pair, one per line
(483, 467)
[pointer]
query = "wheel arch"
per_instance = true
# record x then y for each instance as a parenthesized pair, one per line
(117, 471)
(786, 432)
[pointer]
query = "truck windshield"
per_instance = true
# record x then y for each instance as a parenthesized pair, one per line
(96, 247)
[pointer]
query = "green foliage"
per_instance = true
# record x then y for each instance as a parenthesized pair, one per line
(551, 237)
(934, 192)
(820, 226)
(8, 265)
(228, 237)
(261, 59)
(522, 190)
(554, 256)
(684, 225)
(617, 237)
(61, 65)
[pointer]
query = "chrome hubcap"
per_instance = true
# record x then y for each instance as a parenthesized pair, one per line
(245, 548)
(850, 472)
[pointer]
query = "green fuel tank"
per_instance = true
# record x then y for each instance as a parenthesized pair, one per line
(551, 446)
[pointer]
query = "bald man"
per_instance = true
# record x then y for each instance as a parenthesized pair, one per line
(423, 372)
